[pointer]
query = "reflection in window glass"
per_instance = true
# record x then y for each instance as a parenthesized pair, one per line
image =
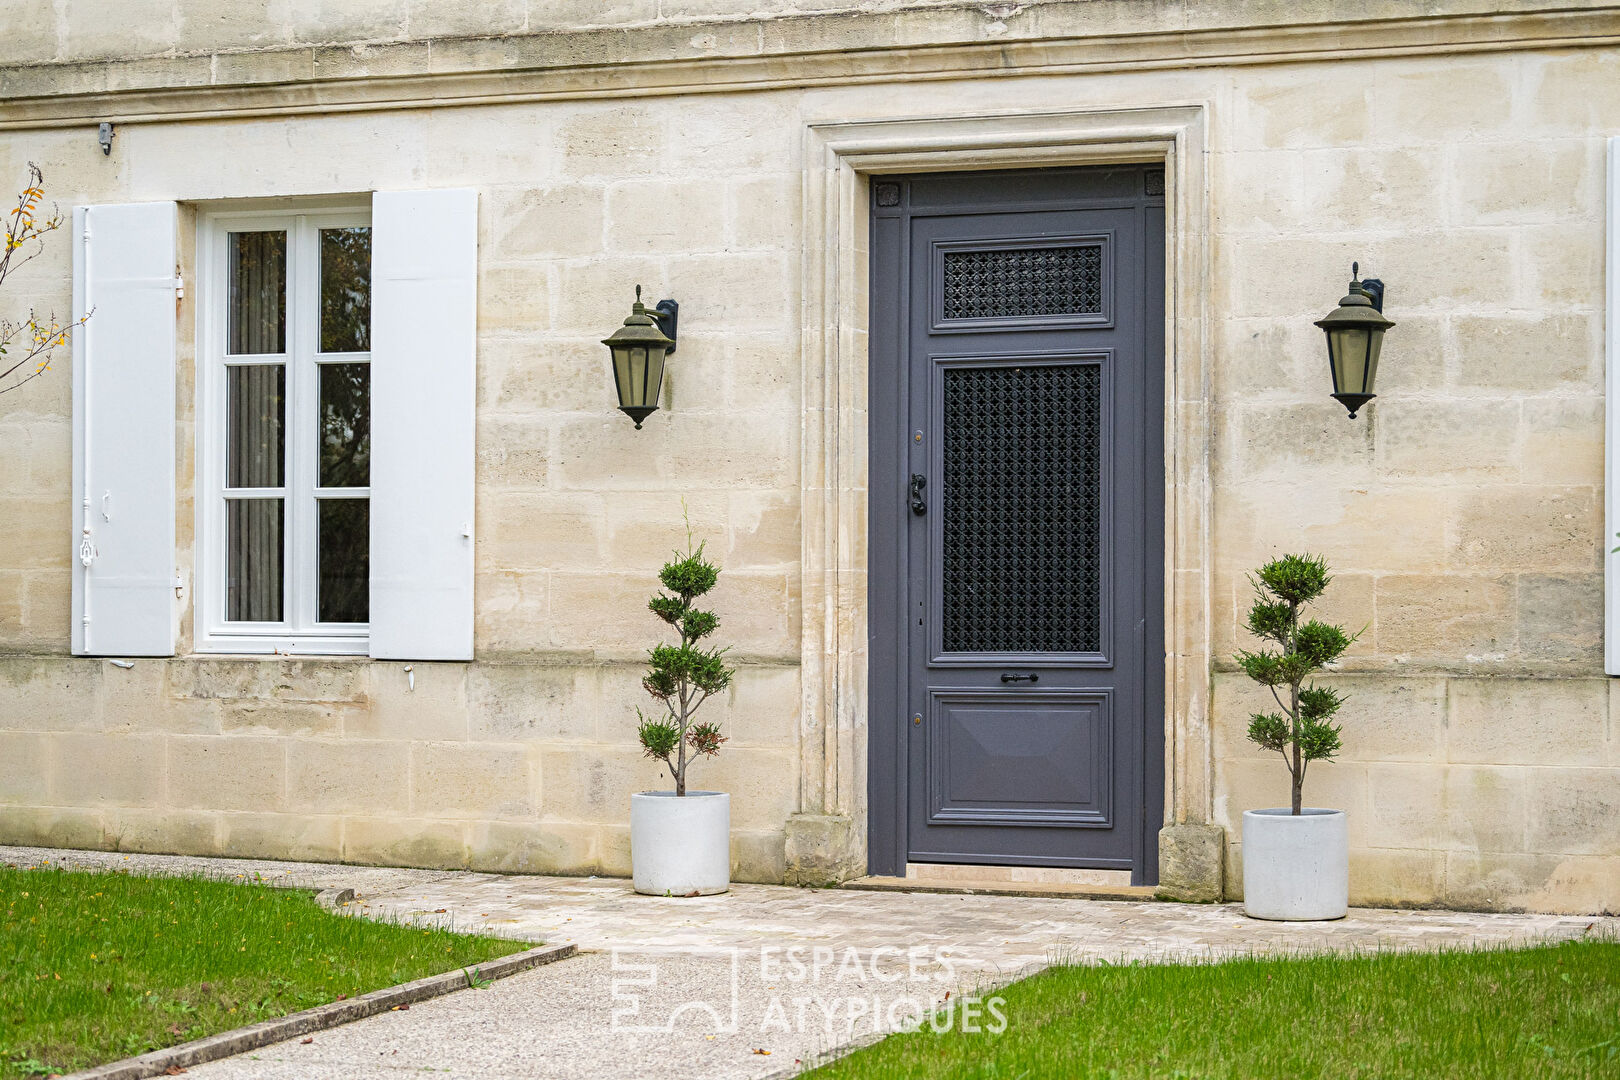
(345, 290)
(256, 428)
(253, 560)
(345, 430)
(257, 305)
(345, 560)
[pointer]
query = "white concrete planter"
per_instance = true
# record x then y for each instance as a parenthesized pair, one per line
(680, 845)
(1296, 868)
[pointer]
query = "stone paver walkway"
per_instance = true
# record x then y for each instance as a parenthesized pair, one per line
(728, 960)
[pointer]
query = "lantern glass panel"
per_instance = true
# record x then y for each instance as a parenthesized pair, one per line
(621, 375)
(630, 373)
(655, 374)
(1374, 346)
(638, 374)
(1348, 348)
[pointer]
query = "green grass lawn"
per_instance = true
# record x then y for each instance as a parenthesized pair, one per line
(1519, 1014)
(96, 966)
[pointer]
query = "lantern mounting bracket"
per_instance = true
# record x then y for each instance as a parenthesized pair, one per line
(1373, 287)
(667, 313)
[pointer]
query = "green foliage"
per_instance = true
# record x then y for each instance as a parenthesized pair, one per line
(1263, 667)
(1320, 644)
(100, 966)
(659, 738)
(682, 676)
(1318, 741)
(1269, 730)
(1300, 731)
(1319, 702)
(1295, 579)
(689, 575)
(1541, 1013)
(1270, 621)
(698, 624)
(668, 608)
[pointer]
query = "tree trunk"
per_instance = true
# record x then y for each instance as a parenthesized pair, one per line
(1297, 773)
(680, 771)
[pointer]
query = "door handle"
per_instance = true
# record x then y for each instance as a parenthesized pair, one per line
(1007, 676)
(918, 504)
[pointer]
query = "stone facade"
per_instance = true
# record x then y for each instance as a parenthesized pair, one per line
(1458, 157)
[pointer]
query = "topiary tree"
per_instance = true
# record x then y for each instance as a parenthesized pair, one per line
(1303, 731)
(682, 677)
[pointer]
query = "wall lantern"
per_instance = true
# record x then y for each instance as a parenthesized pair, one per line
(639, 348)
(1355, 334)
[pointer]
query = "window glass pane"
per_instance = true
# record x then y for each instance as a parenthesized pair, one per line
(345, 554)
(257, 266)
(345, 430)
(346, 290)
(257, 399)
(253, 560)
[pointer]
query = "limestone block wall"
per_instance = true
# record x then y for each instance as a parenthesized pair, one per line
(1463, 515)
(527, 757)
(1462, 512)
(495, 765)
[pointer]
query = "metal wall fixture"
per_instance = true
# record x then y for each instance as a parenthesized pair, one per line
(1355, 336)
(638, 349)
(104, 136)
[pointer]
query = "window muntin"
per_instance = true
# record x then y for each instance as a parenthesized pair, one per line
(285, 434)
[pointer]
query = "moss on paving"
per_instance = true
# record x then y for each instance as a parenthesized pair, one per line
(1551, 1011)
(100, 966)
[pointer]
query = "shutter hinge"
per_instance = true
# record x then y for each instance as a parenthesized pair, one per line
(179, 284)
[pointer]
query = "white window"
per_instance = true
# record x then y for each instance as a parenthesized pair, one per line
(336, 372)
(284, 432)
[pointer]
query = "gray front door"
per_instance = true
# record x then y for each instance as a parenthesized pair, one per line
(1017, 493)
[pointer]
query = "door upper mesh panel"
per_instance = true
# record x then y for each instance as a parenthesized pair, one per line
(1015, 283)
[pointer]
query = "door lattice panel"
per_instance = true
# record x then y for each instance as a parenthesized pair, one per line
(1021, 499)
(1021, 282)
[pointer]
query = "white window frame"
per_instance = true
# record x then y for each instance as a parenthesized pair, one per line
(300, 633)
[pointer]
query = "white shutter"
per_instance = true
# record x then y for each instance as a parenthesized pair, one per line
(123, 430)
(1611, 487)
(424, 273)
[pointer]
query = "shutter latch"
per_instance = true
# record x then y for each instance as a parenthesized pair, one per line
(87, 548)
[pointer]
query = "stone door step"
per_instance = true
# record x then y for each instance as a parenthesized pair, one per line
(1061, 890)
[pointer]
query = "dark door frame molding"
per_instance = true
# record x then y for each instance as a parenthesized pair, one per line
(827, 837)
